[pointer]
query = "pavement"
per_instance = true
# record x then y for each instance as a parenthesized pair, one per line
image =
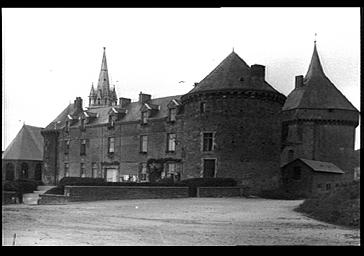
(187, 221)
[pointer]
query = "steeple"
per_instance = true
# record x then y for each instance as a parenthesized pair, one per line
(315, 68)
(103, 83)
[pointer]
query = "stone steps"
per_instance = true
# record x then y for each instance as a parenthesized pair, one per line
(32, 198)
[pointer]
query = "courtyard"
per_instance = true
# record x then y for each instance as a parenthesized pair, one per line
(187, 221)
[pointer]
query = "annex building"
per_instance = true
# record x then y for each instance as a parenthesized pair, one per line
(233, 123)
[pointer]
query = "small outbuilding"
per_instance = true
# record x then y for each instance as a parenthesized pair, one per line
(23, 158)
(305, 177)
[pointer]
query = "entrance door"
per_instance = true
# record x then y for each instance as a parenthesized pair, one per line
(209, 168)
(111, 175)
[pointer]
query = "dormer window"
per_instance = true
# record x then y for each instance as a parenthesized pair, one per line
(144, 117)
(83, 124)
(67, 127)
(172, 114)
(111, 121)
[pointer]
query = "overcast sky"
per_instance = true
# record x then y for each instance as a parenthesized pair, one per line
(52, 56)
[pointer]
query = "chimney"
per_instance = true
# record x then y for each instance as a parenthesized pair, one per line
(258, 71)
(143, 98)
(78, 104)
(299, 81)
(124, 102)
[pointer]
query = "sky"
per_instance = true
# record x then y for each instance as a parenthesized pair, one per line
(51, 56)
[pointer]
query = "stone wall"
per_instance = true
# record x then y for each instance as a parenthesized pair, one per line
(93, 193)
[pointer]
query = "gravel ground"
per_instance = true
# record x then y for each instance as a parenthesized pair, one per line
(190, 221)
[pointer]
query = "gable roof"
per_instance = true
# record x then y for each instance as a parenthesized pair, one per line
(317, 92)
(231, 73)
(27, 145)
(318, 166)
(132, 112)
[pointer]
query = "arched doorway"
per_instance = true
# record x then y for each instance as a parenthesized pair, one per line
(24, 171)
(9, 175)
(38, 172)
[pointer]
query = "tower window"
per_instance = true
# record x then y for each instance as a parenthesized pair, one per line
(94, 170)
(202, 107)
(83, 125)
(67, 147)
(66, 170)
(144, 117)
(207, 141)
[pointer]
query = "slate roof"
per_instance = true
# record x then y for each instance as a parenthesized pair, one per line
(27, 145)
(319, 166)
(318, 92)
(229, 75)
(133, 112)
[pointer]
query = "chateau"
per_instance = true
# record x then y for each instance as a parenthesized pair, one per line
(233, 123)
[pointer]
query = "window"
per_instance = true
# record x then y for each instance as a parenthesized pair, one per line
(67, 127)
(82, 171)
(24, 170)
(66, 170)
(296, 173)
(83, 126)
(94, 171)
(98, 101)
(10, 175)
(207, 143)
(172, 171)
(172, 114)
(83, 147)
(143, 143)
(202, 107)
(66, 147)
(328, 186)
(143, 176)
(171, 142)
(111, 121)
(144, 117)
(319, 185)
(111, 148)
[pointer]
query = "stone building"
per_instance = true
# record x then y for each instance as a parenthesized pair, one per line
(306, 178)
(318, 121)
(23, 158)
(226, 126)
(231, 124)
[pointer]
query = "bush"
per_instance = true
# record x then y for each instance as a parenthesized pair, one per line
(342, 206)
(21, 186)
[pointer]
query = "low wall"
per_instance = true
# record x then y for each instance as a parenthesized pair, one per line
(9, 197)
(52, 199)
(219, 191)
(92, 193)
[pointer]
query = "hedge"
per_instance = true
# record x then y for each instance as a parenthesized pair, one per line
(21, 185)
(341, 207)
(279, 194)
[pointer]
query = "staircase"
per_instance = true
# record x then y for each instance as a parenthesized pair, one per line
(32, 198)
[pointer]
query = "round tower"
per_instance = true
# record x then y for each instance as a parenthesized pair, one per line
(232, 126)
(318, 121)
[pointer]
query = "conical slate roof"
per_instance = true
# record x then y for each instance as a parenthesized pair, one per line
(317, 92)
(27, 145)
(231, 73)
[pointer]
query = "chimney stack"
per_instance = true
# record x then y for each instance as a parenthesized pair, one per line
(258, 71)
(78, 104)
(124, 102)
(143, 98)
(299, 81)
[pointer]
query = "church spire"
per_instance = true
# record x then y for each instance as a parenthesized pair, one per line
(103, 83)
(315, 68)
